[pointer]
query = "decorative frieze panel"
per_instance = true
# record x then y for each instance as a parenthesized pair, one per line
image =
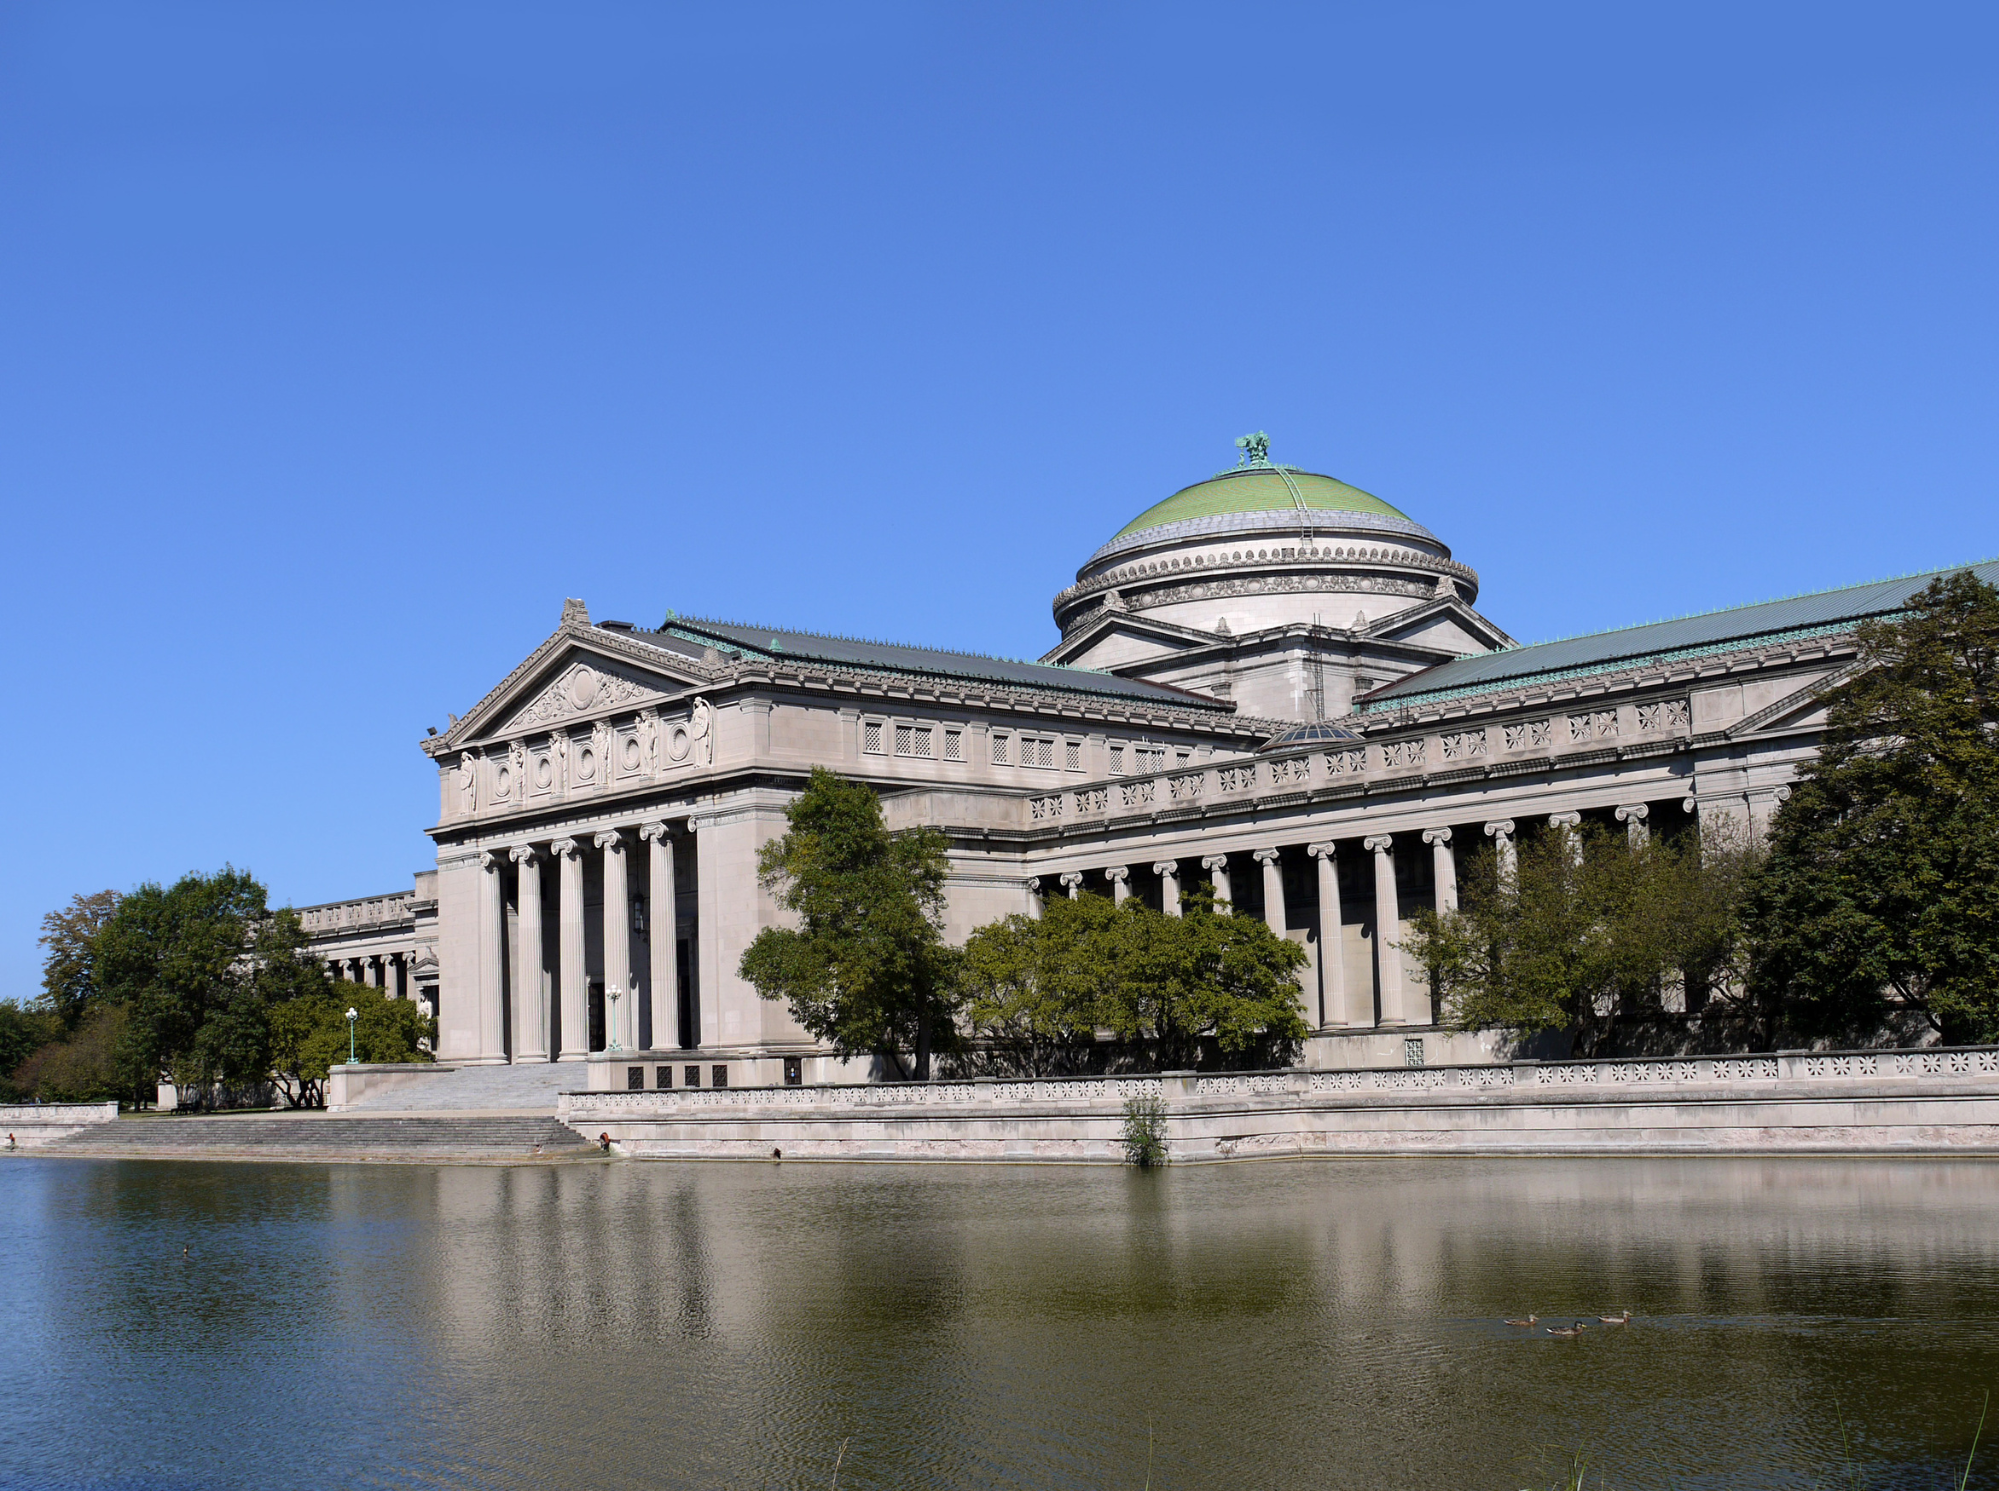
(1464, 745)
(1597, 724)
(1403, 753)
(1348, 762)
(1529, 733)
(1049, 806)
(1185, 787)
(1283, 773)
(1136, 794)
(1668, 714)
(1237, 778)
(1092, 799)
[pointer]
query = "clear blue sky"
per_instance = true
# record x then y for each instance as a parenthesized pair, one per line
(339, 343)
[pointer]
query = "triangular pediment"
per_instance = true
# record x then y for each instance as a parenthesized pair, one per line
(1449, 625)
(578, 674)
(1801, 709)
(1132, 638)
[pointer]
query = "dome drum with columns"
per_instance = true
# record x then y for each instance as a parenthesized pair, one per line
(1272, 681)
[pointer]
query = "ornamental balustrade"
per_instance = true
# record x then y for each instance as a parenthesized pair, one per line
(370, 911)
(1711, 1074)
(1347, 766)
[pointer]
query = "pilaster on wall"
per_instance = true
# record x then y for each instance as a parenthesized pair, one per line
(458, 887)
(734, 908)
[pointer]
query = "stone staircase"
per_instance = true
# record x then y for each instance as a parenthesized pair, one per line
(479, 1089)
(444, 1139)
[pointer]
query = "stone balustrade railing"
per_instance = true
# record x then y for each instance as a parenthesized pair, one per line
(1695, 1073)
(369, 911)
(1352, 764)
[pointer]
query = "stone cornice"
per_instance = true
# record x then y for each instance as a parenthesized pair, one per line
(1144, 578)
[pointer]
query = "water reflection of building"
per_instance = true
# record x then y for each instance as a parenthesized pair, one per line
(1271, 680)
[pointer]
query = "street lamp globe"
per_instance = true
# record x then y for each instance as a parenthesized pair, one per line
(352, 1015)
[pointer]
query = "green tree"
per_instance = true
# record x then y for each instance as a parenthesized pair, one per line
(24, 1030)
(1205, 976)
(308, 1036)
(1881, 892)
(1163, 987)
(84, 1067)
(865, 969)
(1586, 931)
(1033, 987)
(69, 967)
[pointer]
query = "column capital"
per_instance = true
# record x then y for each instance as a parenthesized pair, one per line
(1321, 851)
(565, 849)
(489, 860)
(1379, 843)
(608, 838)
(651, 831)
(1436, 836)
(1071, 879)
(1167, 867)
(1117, 873)
(1500, 829)
(1565, 820)
(1214, 861)
(523, 854)
(1034, 885)
(1629, 811)
(1265, 856)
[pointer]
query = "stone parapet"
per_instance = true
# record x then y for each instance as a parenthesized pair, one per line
(1925, 1101)
(31, 1125)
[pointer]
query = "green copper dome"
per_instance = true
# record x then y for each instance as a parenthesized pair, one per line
(1259, 489)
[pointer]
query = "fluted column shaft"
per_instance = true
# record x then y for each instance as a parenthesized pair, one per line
(530, 993)
(621, 1015)
(569, 933)
(1072, 882)
(1168, 871)
(1332, 947)
(662, 919)
(1273, 890)
(1501, 834)
(1445, 866)
(1034, 897)
(1119, 877)
(1217, 866)
(492, 930)
(1387, 931)
(1633, 816)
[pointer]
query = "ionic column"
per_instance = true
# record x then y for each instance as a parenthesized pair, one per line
(1034, 897)
(1501, 834)
(348, 970)
(617, 942)
(1168, 871)
(530, 997)
(1332, 951)
(665, 930)
(392, 975)
(1633, 816)
(575, 1001)
(1217, 866)
(492, 927)
(1273, 890)
(1387, 930)
(1118, 875)
(368, 975)
(1568, 825)
(1445, 867)
(1072, 882)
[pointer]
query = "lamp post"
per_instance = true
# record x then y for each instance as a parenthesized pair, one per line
(352, 1015)
(612, 993)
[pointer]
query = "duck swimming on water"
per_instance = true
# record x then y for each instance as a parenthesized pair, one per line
(1568, 1330)
(1624, 1319)
(1528, 1321)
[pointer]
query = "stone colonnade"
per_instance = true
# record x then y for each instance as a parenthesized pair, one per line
(1388, 1004)
(554, 999)
(389, 972)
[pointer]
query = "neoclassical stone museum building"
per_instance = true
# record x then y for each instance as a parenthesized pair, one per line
(1270, 680)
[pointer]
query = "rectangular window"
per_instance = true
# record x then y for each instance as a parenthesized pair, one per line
(913, 740)
(1044, 752)
(692, 1076)
(635, 1078)
(999, 749)
(1072, 755)
(871, 737)
(721, 1077)
(662, 1078)
(794, 1071)
(1117, 759)
(954, 745)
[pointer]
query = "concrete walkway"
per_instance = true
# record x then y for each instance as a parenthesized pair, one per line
(437, 1138)
(478, 1089)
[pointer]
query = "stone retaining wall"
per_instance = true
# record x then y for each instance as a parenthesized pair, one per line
(1937, 1100)
(31, 1125)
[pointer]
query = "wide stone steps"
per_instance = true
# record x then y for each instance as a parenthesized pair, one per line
(330, 1137)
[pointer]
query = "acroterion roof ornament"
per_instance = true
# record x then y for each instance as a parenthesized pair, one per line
(1255, 450)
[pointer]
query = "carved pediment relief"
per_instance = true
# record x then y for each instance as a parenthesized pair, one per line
(584, 687)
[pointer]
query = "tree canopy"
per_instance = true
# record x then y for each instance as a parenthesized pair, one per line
(1585, 931)
(1162, 988)
(865, 969)
(1882, 887)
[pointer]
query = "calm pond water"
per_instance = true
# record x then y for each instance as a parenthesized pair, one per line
(1282, 1324)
